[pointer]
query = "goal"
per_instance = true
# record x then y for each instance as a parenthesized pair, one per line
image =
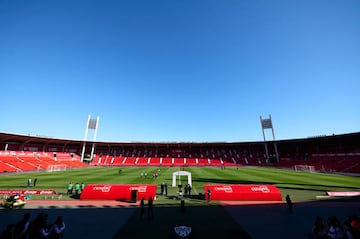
(304, 168)
(56, 167)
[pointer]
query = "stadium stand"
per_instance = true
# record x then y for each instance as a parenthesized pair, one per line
(203, 162)
(129, 161)
(19, 161)
(191, 162)
(166, 161)
(154, 161)
(115, 160)
(217, 162)
(142, 161)
(179, 162)
(336, 153)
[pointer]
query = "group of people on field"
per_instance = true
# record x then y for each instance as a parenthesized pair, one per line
(28, 183)
(77, 187)
(150, 213)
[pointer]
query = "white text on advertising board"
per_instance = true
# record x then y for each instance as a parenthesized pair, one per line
(140, 189)
(263, 189)
(226, 189)
(104, 189)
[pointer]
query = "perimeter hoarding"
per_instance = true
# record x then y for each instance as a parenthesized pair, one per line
(118, 191)
(16, 191)
(238, 192)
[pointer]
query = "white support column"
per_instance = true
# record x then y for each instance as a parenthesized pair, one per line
(267, 124)
(275, 146)
(85, 138)
(91, 124)
(93, 145)
(263, 132)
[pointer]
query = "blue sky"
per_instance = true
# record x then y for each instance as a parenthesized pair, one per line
(180, 70)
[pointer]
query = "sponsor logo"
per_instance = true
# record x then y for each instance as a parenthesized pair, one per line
(227, 189)
(27, 192)
(263, 189)
(11, 191)
(47, 192)
(140, 189)
(30, 192)
(104, 189)
(183, 231)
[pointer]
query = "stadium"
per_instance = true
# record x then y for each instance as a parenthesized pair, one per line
(321, 174)
(179, 86)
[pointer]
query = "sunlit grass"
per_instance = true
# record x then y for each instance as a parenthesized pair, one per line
(302, 186)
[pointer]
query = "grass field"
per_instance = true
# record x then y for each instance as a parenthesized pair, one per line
(302, 186)
(207, 219)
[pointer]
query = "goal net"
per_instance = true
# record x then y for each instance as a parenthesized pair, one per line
(304, 168)
(56, 167)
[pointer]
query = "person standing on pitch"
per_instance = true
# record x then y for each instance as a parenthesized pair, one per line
(289, 203)
(70, 188)
(77, 188)
(82, 187)
(142, 209)
(150, 208)
(29, 183)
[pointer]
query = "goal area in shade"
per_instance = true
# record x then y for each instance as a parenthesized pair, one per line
(304, 168)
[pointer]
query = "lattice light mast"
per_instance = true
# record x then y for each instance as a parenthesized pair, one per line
(267, 124)
(92, 124)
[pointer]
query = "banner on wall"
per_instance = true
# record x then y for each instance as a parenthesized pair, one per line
(118, 191)
(15, 191)
(239, 192)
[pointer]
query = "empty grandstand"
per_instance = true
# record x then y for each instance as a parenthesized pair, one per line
(336, 153)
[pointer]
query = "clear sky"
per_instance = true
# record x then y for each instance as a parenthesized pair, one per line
(180, 70)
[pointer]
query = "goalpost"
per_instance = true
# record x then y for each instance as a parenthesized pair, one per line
(56, 167)
(304, 168)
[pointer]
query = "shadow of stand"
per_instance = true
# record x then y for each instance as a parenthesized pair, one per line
(199, 196)
(75, 196)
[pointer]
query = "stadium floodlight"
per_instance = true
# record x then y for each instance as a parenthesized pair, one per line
(92, 124)
(267, 124)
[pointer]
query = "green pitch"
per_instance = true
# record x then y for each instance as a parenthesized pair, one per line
(302, 186)
(208, 220)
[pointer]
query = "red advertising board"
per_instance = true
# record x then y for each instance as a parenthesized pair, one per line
(238, 192)
(15, 191)
(118, 191)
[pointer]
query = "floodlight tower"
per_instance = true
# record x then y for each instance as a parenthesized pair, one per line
(93, 125)
(267, 124)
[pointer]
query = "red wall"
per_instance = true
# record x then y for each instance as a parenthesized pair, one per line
(237, 192)
(117, 191)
